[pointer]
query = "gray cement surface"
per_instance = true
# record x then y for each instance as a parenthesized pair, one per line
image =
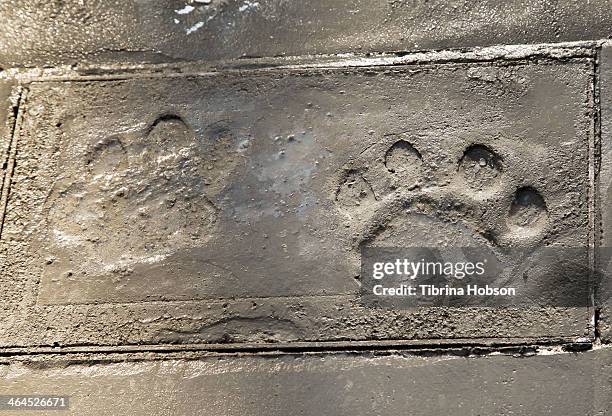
(321, 384)
(186, 187)
(70, 32)
(230, 207)
(605, 179)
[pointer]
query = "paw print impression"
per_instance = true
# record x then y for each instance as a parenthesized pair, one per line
(395, 196)
(528, 212)
(138, 198)
(480, 167)
(404, 161)
(355, 194)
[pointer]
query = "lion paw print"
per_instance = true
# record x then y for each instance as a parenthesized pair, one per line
(396, 193)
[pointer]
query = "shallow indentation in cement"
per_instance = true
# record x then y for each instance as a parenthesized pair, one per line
(403, 160)
(528, 211)
(355, 192)
(421, 225)
(139, 197)
(480, 167)
(113, 155)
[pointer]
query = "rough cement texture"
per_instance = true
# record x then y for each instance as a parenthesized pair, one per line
(322, 384)
(7, 120)
(39, 33)
(231, 208)
(605, 179)
(186, 187)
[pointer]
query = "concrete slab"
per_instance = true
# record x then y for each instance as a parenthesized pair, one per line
(320, 384)
(231, 207)
(70, 32)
